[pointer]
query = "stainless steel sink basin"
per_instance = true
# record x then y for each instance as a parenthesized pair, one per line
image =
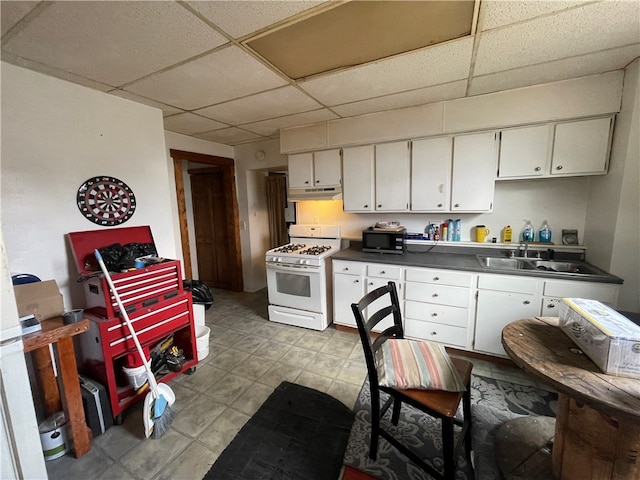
(552, 266)
(503, 263)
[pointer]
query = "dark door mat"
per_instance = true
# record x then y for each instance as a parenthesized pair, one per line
(297, 434)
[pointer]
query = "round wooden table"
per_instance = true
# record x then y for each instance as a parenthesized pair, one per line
(597, 433)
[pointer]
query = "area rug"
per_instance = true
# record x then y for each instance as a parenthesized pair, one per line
(297, 434)
(493, 402)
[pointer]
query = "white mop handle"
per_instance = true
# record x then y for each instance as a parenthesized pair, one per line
(125, 315)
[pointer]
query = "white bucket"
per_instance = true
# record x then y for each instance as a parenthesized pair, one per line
(202, 341)
(198, 314)
(53, 436)
(137, 376)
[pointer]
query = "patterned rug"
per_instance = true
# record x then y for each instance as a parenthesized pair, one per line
(492, 403)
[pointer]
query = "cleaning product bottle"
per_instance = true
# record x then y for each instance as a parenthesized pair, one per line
(507, 234)
(528, 233)
(443, 230)
(451, 234)
(458, 227)
(544, 235)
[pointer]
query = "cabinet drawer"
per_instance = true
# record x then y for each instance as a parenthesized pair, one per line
(436, 332)
(605, 293)
(384, 271)
(444, 314)
(150, 325)
(352, 268)
(509, 283)
(439, 294)
(444, 277)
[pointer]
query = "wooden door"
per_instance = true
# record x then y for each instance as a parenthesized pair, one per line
(277, 203)
(213, 233)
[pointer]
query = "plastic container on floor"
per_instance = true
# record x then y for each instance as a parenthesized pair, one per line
(202, 341)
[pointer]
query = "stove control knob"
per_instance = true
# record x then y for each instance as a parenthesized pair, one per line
(304, 262)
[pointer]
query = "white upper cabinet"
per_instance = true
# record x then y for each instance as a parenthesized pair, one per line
(358, 178)
(431, 174)
(318, 169)
(525, 151)
(392, 176)
(581, 147)
(475, 162)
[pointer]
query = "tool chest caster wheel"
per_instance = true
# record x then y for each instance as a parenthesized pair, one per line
(190, 371)
(118, 419)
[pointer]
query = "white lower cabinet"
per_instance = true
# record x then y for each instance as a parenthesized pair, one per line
(348, 288)
(438, 306)
(377, 276)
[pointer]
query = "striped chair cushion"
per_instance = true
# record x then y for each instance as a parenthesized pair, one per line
(424, 365)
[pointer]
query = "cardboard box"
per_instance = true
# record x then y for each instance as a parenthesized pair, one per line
(42, 299)
(608, 338)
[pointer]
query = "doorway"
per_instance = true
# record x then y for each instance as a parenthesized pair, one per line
(217, 233)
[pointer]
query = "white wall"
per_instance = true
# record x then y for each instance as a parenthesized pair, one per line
(56, 135)
(613, 225)
(176, 141)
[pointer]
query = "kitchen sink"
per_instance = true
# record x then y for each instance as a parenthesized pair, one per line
(560, 267)
(503, 263)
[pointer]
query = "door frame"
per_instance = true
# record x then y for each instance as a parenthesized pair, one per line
(228, 172)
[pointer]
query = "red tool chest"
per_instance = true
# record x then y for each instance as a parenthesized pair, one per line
(155, 301)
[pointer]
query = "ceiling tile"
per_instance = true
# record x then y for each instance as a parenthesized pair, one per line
(239, 18)
(430, 66)
(230, 136)
(272, 127)
(220, 76)
(166, 109)
(189, 123)
(583, 65)
(498, 13)
(113, 42)
(275, 103)
(420, 96)
(12, 12)
(588, 29)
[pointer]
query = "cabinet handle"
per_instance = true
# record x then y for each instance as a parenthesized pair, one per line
(526, 302)
(356, 281)
(317, 181)
(559, 167)
(435, 279)
(346, 269)
(457, 205)
(306, 182)
(434, 314)
(366, 206)
(434, 333)
(439, 205)
(435, 295)
(370, 284)
(379, 206)
(382, 272)
(551, 305)
(537, 169)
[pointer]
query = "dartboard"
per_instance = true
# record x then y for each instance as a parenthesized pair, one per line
(106, 201)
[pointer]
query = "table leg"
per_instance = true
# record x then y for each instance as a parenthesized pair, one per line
(46, 379)
(72, 398)
(589, 444)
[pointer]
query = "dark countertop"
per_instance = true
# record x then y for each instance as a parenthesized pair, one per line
(420, 257)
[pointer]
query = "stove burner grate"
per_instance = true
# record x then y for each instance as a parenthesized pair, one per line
(315, 250)
(289, 248)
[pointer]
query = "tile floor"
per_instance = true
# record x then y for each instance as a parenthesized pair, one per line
(249, 356)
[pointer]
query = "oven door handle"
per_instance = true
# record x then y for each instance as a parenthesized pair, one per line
(284, 267)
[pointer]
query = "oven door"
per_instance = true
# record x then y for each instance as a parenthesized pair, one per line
(295, 286)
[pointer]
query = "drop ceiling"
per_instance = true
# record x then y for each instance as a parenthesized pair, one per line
(236, 72)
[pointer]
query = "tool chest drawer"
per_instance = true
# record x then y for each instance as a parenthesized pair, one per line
(150, 324)
(137, 288)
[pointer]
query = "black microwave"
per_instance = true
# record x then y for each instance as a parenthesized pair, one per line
(380, 240)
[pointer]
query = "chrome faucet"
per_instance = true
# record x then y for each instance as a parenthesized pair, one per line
(526, 249)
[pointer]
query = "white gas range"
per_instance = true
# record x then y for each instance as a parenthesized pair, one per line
(299, 276)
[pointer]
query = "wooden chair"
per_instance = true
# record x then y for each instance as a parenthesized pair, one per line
(437, 403)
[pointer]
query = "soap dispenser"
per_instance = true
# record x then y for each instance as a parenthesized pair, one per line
(544, 235)
(528, 233)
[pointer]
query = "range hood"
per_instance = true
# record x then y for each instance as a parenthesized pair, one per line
(317, 193)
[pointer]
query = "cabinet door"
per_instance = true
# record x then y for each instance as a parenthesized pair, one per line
(392, 177)
(525, 152)
(357, 173)
(301, 170)
(474, 172)
(495, 310)
(431, 174)
(347, 289)
(581, 147)
(326, 168)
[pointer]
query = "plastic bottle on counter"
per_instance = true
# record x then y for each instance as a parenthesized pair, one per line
(450, 231)
(443, 230)
(528, 233)
(458, 228)
(544, 235)
(507, 234)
